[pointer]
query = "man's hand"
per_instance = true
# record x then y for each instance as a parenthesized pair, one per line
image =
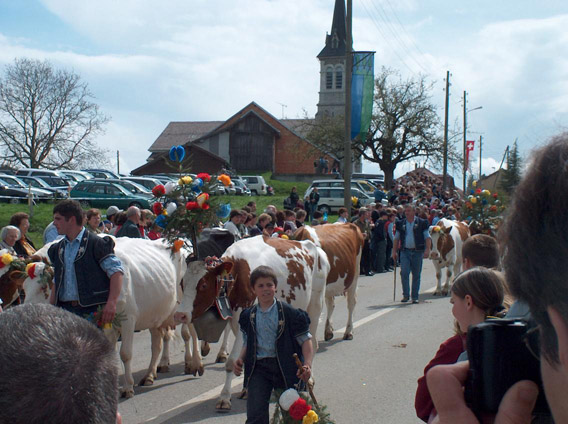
(426, 253)
(109, 311)
(445, 383)
(305, 373)
(238, 367)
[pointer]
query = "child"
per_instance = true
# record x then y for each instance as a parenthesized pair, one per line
(273, 332)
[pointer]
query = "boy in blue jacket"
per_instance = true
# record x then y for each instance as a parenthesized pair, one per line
(273, 332)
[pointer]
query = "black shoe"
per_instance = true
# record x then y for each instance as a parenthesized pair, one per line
(370, 274)
(415, 301)
(404, 299)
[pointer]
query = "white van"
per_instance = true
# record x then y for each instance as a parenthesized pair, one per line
(362, 185)
(331, 198)
(256, 184)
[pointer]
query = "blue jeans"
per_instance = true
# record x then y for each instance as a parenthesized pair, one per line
(265, 377)
(411, 261)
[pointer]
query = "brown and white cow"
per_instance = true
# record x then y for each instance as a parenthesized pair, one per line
(447, 240)
(300, 266)
(342, 245)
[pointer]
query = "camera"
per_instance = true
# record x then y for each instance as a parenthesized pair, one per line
(499, 357)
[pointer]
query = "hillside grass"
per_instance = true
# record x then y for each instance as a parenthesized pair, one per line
(42, 214)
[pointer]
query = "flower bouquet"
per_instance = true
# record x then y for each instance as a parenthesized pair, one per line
(294, 407)
(96, 319)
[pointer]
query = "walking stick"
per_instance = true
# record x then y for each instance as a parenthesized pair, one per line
(394, 284)
(308, 385)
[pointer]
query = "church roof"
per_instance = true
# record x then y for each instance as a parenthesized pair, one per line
(338, 30)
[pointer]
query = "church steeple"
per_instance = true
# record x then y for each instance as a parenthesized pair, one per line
(332, 66)
(335, 41)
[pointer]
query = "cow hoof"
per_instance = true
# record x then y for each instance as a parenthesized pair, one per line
(127, 394)
(221, 358)
(147, 381)
(328, 335)
(436, 293)
(200, 370)
(348, 336)
(205, 349)
(243, 394)
(163, 369)
(223, 405)
(190, 370)
(444, 293)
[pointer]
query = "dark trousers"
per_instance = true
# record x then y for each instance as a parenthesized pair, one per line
(378, 252)
(366, 258)
(265, 377)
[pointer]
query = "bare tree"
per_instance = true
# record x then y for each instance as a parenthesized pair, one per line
(47, 117)
(405, 125)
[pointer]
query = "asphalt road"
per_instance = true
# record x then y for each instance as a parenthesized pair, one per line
(370, 379)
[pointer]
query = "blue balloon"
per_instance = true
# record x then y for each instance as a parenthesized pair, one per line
(471, 192)
(224, 210)
(161, 221)
(198, 182)
(177, 153)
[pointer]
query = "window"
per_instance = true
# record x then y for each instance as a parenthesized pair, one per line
(97, 189)
(338, 78)
(324, 192)
(329, 78)
(337, 194)
(112, 190)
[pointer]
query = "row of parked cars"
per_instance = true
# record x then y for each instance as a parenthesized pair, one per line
(99, 188)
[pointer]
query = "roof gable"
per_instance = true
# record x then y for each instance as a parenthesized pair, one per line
(180, 133)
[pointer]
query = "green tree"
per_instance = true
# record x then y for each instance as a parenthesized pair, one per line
(405, 125)
(512, 175)
(47, 117)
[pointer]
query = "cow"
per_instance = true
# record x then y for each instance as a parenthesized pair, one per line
(11, 281)
(150, 292)
(447, 240)
(343, 246)
(301, 268)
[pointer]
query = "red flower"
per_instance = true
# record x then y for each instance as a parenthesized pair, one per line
(204, 176)
(478, 191)
(205, 206)
(495, 195)
(157, 208)
(31, 271)
(191, 206)
(159, 190)
(299, 409)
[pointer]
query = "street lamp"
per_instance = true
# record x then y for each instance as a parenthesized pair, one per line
(465, 111)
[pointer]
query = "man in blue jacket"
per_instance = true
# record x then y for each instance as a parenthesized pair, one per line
(414, 242)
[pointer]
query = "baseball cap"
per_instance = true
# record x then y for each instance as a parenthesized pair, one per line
(112, 210)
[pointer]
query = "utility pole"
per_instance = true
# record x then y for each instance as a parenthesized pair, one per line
(347, 147)
(464, 138)
(480, 146)
(118, 162)
(445, 176)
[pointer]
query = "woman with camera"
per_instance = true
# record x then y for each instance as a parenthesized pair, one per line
(476, 294)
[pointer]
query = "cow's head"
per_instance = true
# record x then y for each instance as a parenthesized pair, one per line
(442, 241)
(202, 284)
(38, 283)
(11, 276)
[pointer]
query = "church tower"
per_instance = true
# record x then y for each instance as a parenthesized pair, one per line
(332, 66)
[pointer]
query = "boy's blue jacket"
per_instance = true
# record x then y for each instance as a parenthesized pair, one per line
(291, 324)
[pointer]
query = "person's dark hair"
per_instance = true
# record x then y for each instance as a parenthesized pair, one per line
(68, 209)
(120, 218)
(17, 218)
(301, 214)
(341, 210)
(263, 272)
(251, 204)
(289, 214)
(534, 239)
(250, 217)
(318, 215)
(481, 250)
(383, 213)
(93, 212)
(486, 288)
(264, 217)
(63, 369)
(235, 212)
(246, 209)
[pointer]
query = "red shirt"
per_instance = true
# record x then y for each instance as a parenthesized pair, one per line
(448, 353)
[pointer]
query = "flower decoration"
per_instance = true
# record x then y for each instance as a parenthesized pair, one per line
(6, 259)
(225, 179)
(202, 200)
(298, 409)
(310, 418)
(495, 195)
(169, 187)
(474, 184)
(161, 221)
(354, 201)
(96, 319)
(185, 180)
(157, 208)
(31, 269)
(295, 407)
(482, 209)
(468, 205)
(486, 192)
(204, 176)
(177, 245)
(436, 229)
(473, 200)
(478, 191)
(177, 154)
(171, 208)
(493, 208)
(159, 190)
(191, 206)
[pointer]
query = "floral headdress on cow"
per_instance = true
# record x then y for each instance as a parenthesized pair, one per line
(483, 210)
(10, 263)
(185, 207)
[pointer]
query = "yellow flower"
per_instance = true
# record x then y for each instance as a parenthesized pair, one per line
(486, 192)
(7, 259)
(107, 326)
(354, 200)
(436, 229)
(473, 200)
(310, 418)
(185, 180)
(474, 184)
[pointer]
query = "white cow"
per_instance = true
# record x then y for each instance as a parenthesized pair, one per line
(301, 268)
(447, 240)
(150, 293)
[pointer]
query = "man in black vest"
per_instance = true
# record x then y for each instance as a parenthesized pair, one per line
(87, 273)
(414, 242)
(130, 227)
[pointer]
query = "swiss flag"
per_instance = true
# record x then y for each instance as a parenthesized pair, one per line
(470, 144)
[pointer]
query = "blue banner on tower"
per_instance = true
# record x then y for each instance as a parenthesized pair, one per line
(362, 87)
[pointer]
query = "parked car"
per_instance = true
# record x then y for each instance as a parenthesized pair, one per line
(76, 175)
(39, 182)
(331, 198)
(256, 184)
(102, 173)
(147, 182)
(241, 188)
(362, 185)
(14, 190)
(164, 178)
(102, 194)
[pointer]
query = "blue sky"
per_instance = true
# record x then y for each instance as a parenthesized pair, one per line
(149, 63)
